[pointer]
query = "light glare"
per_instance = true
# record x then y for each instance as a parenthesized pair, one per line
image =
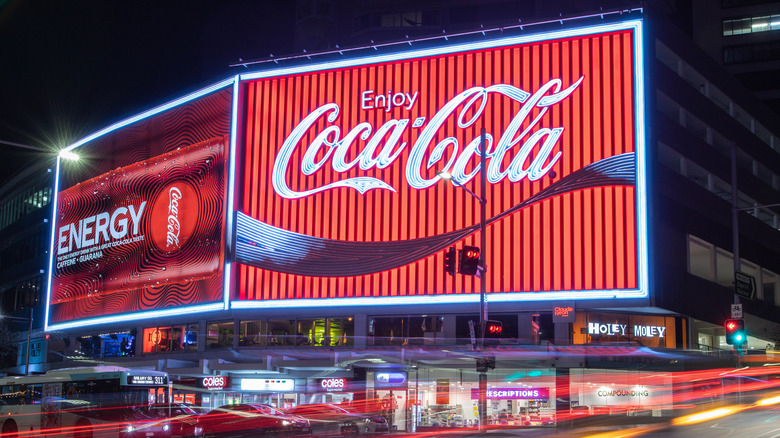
(69, 155)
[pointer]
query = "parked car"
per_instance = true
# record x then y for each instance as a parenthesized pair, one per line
(182, 418)
(251, 420)
(327, 419)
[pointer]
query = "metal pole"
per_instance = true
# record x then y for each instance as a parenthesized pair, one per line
(734, 216)
(29, 335)
(482, 280)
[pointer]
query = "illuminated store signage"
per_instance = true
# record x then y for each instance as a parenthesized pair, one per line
(513, 393)
(564, 312)
(367, 137)
(623, 393)
(649, 331)
(335, 384)
(272, 385)
(390, 378)
(215, 382)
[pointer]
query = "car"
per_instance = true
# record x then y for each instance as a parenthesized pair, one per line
(182, 418)
(251, 420)
(328, 419)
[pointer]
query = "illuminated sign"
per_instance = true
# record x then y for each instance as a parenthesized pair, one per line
(142, 235)
(564, 312)
(334, 154)
(623, 393)
(513, 393)
(385, 379)
(271, 385)
(147, 380)
(215, 382)
(650, 331)
(334, 384)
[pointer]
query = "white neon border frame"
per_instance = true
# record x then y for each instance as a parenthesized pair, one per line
(643, 289)
(145, 314)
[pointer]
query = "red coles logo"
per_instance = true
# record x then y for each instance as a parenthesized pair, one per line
(174, 214)
(214, 382)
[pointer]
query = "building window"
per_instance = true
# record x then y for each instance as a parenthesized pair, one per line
(220, 335)
(322, 332)
(404, 330)
(27, 202)
(762, 23)
(766, 51)
(281, 332)
(252, 333)
(700, 258)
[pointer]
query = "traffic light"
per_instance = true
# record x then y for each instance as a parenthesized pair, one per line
(493, 332)
(469, 260)
(735, 332)
(449, 261)
(486, 363)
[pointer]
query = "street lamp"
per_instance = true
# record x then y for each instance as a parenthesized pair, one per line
(29, 336)
(482, 266)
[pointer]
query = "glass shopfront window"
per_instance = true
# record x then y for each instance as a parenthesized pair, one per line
(405, 330)
(252, 333)
(329, 332)
(165, 339)
(220, 335)
(320, 332)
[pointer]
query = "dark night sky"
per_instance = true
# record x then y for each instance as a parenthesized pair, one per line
(71, 67)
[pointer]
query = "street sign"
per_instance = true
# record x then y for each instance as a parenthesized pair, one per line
(472, 333)
(736, 311)
(744, 285)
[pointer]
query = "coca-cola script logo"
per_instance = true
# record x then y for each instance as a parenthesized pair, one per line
(534, 143)
(174, 215)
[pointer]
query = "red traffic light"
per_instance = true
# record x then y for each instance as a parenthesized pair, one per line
(469, 260)
(731, 325)
(493, 327)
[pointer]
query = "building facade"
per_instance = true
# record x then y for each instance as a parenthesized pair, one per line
(279, 237)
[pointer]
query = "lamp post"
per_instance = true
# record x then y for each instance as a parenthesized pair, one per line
(482, 268)
(29, 336)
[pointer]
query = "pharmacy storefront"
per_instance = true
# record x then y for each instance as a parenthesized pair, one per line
(515, 397)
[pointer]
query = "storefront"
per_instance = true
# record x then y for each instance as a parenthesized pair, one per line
(335, 390)
(280, 393)
(449, 398)
(652, 331)
(390, 389)
(621, 392)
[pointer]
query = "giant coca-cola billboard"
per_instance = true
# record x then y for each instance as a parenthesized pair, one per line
(338, 193)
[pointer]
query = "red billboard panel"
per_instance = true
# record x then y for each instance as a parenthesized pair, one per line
(339, 193)
(141, 236)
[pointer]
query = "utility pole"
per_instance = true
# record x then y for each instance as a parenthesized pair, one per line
(482, 279)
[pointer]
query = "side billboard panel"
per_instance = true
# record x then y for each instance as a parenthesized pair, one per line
(149, 234)
(340, 196)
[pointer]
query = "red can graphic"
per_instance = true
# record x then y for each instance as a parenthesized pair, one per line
(155, 226)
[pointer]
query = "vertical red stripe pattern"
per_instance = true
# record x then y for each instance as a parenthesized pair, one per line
(580, 241)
